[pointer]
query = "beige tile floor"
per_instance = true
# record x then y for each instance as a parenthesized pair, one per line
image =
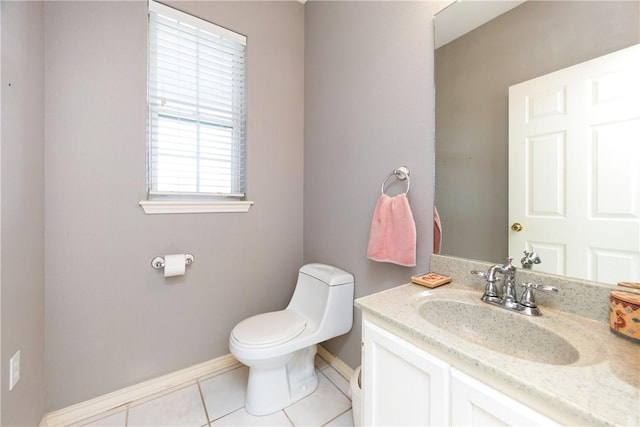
(219, 401)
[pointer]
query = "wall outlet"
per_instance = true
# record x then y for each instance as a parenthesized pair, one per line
(14, 370)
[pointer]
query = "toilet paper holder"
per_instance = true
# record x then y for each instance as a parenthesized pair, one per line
(158, 262)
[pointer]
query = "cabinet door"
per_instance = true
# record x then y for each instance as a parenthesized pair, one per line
(402, 385)
(474, 403)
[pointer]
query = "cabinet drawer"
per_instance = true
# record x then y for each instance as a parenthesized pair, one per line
(473, 403)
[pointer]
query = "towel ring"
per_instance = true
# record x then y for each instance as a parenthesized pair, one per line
(401, 174)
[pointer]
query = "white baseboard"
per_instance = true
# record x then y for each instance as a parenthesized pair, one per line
(89, 408)
(335, 362)
(78, 412)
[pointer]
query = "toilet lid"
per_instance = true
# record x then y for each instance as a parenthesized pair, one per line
(269, 328)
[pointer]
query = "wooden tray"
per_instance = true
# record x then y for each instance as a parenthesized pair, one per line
(430, 280)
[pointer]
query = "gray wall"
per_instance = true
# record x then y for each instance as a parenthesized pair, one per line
(473, 74)
(361, 98)
(112, 320)
(368, 110)
(22, 218)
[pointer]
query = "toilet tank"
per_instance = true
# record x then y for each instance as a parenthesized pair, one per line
(324, 295)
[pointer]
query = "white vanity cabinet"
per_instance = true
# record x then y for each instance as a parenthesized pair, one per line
(402, 385)
(405, 385)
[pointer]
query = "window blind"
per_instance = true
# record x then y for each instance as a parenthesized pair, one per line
(197, 107)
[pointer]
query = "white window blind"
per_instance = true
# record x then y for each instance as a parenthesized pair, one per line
(197, 108)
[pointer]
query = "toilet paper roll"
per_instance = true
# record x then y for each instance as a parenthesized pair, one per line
(174, 265)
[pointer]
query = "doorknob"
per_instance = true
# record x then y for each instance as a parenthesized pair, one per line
(516, 226)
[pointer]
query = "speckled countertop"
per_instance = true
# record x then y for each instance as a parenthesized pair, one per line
(601, 386)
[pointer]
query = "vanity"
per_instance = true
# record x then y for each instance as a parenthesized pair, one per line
(443, 357)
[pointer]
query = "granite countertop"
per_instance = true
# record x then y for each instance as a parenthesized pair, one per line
(602, 387)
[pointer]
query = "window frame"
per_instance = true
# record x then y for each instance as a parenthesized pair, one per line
(188, 202)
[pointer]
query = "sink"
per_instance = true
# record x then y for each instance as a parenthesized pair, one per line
(548, 339)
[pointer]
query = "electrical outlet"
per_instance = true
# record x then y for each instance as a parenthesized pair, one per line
(14, 370)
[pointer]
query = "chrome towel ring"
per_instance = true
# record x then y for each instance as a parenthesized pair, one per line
(401, 174)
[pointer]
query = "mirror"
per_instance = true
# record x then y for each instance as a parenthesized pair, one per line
(473, 71)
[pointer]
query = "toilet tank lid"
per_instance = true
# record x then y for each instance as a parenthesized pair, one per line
(328, 274)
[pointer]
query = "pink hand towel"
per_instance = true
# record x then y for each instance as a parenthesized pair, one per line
(393, 232)
(437, 231)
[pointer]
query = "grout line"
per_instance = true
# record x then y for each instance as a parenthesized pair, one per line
(204, 405)
(208, 377)
(287, 415)
(334, 384)
(336, 417)
(222, 416)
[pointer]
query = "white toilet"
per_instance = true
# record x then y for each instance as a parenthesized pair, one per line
(279, 347)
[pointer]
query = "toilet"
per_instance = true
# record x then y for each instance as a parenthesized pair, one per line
(279, 347)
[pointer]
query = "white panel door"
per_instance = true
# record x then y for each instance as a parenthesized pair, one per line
(574, 162)
(402, 384)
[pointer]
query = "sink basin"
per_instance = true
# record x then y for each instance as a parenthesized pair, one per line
(502, 331)
(548, 339)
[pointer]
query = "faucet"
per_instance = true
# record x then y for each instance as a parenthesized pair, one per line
(529, 259)
(509, 298)
(506, 297)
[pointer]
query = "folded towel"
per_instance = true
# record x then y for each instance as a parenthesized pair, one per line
(437, 232)
(393, 232)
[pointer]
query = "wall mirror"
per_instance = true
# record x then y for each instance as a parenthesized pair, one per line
(501, 44)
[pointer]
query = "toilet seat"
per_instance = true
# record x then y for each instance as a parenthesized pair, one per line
(269, 329)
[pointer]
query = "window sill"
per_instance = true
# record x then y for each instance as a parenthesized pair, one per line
(183, 206)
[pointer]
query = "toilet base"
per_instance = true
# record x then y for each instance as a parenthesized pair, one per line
(272, 388)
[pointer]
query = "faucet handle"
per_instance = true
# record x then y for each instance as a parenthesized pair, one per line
(491, 289)
(528, 300)
(480, 274)
(489, 276)
(544, 288)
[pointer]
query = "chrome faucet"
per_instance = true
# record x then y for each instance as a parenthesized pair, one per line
(506, 296)
(529, 259)
(509, 297)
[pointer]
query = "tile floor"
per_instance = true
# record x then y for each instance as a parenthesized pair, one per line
(219, 401)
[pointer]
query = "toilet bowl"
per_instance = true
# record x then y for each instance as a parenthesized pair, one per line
(279, 347)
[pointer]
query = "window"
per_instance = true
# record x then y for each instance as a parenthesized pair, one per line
(197, 111)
